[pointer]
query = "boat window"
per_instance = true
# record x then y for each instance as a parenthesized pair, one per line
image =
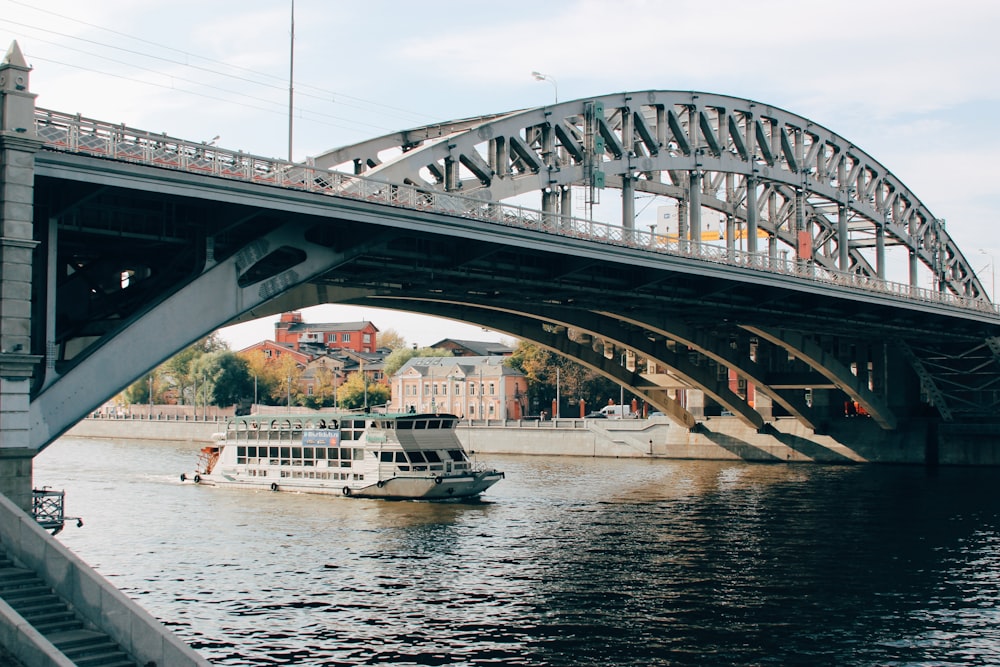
(308, 453)
(434, 423)
(241, 451)
(417, 457)
(420, 424)
(386, 457)
(456, 454)
(285, 452)
(432, 457)
(272, 452)
(296, 452)
(400, 457)
(404, 425)
(320, 452)
(345, 453)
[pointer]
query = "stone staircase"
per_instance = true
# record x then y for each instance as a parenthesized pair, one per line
(36, 602)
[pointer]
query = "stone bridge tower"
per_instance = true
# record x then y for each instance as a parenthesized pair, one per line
(18, 145)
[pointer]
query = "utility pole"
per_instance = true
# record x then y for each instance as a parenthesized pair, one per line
(291, 74)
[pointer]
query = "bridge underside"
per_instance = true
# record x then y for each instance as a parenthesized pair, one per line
(132, 275)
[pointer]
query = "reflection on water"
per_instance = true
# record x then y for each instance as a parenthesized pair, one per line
(568, 561)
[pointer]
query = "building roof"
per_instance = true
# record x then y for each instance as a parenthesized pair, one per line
(443, 367)
(480, 348)
(330, 326)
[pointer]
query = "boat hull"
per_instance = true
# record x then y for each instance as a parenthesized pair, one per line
(441, 487)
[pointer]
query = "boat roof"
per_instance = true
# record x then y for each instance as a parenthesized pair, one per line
(316, 416)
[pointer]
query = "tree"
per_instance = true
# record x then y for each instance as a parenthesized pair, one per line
(352, 393)
(224, 378)
(391, 339)
(138, 392)
(324, 390)
(272, 377)
(575, 381)
(177, 370)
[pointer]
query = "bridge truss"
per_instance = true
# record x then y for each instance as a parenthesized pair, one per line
(768, 172)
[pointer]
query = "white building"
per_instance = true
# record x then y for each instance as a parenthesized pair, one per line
(470, 387)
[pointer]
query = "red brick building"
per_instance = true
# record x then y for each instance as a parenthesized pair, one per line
(313, 338)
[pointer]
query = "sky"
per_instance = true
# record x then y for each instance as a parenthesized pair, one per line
(913, 84)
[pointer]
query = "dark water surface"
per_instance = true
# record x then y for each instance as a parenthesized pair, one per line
(569, 561)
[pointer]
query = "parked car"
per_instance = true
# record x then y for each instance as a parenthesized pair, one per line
(617, 411)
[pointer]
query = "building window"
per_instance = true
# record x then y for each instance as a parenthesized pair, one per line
(427, 390)
(493, 389)
(331, 338)
(366, 338)
(345, 338)
(472, 389)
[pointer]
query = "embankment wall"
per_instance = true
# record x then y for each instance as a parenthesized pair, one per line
(785, 440)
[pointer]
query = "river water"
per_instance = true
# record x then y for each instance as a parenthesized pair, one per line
(568, 561)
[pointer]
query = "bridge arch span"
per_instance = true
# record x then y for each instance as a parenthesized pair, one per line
(779, 180)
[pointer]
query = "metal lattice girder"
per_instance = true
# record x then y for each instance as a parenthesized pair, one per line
(828, 366)
(958, 377)
(721, 353)
(927, 382)
(755, 161)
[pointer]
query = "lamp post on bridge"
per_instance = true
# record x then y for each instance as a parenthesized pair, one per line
(993, 273)
(545, 77)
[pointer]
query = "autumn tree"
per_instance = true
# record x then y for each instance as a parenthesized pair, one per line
(575, 381)
(354, 392)
(324, 393)
(391, 339)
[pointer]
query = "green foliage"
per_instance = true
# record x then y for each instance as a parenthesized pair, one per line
(223, 378)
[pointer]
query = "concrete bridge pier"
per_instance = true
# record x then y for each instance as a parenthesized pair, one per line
(18, 145)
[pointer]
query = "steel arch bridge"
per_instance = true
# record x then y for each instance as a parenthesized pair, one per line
(769, 172)
(210, 237)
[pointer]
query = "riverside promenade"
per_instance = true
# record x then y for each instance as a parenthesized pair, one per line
(718, 438)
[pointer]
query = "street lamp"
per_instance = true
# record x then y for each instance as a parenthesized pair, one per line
(545, 77)
(993, 273)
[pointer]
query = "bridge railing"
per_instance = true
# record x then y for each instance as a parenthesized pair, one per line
(76, 134)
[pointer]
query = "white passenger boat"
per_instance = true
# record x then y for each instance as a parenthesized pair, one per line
(368, 455)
